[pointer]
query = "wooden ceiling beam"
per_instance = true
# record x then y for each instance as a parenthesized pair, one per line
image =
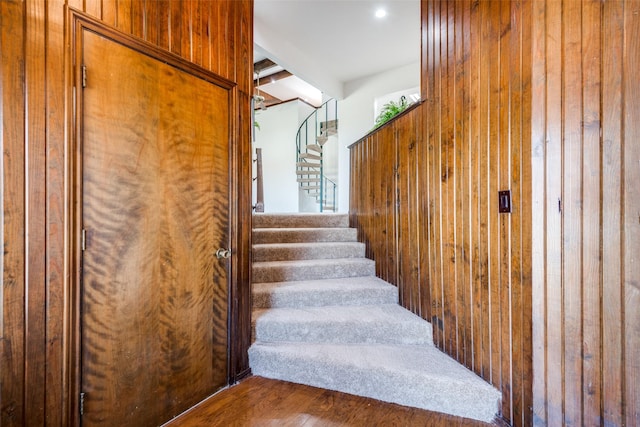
(272, 77)
(265, 64)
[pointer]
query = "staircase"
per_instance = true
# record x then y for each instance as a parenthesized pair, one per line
(322, 318)
(312, 135)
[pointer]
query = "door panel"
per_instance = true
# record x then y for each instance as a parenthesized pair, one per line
(155, 187)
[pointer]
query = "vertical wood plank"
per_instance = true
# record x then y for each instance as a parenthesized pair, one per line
(439, 69)
(591, 223)
(553, 168)
(403, 210)
(124, 21)
(12, 140)
(514, 180)
(572, 211)
(93, 8)
(109, 12)
(378, 214)
(246, 48)
(539, 205)
(385, 194)
(176, 31)
(460, 148)
(466, 180)
(35, 297)
(493, 164)
(423, 195)
(165, 30)
(520, 102)
(389, 198)
(243, 65)
(475, 150)
(429, 120)
(631, 212)
(447, 147)
(414, 214)
(226, 41)
(185, 16)
(483, 192)
(138, 18)
(197, 12)
(207, 31)
(55, 408)
(216, 37)
(503, 181)
(151, 21)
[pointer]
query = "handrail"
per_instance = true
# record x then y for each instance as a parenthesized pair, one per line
(333, 198)
(304, 122)
(259, 206)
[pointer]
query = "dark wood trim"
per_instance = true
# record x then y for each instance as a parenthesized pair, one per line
(262, 65)
(80, 21)
(272, 78)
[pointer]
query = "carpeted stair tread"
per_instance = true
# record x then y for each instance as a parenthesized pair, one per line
(298, 235)
(304, 220)
(366, 290)
(306, 250)
(383, 324)
(278, 271)
(418, 376)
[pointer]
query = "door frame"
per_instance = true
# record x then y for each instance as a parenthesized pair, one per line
(77, 22)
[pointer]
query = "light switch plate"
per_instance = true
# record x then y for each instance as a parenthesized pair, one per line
(504, 201)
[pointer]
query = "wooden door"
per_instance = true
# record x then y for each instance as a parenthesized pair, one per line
(155, 208)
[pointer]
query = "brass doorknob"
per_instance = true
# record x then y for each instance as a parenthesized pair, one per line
(223, 253)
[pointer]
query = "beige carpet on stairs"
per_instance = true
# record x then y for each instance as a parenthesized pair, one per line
(322, 318)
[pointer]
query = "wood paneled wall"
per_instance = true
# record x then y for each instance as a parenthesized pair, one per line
(34, 106)
(586, 212)
(543, 98)
(425, 193)
(477, 89)
(389, 208)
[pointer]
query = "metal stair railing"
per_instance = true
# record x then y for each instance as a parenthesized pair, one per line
(310, 138)
(259, 206)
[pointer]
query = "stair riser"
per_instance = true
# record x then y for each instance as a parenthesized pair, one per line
(438, 394)
(304, 272)
(342, 333)
(272, 235)
(277, 253)
(324, 298)
(326, 292)
(300, 220)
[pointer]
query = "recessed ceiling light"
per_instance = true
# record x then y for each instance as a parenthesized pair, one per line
(381, 13)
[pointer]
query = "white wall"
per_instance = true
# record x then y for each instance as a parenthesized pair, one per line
(356, 114)
(277, 138)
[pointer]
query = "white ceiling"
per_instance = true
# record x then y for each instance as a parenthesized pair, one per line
(330, 42)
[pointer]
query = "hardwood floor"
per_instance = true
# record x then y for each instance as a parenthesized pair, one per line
(259, 401)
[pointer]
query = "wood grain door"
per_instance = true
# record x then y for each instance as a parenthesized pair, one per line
(155, 208)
